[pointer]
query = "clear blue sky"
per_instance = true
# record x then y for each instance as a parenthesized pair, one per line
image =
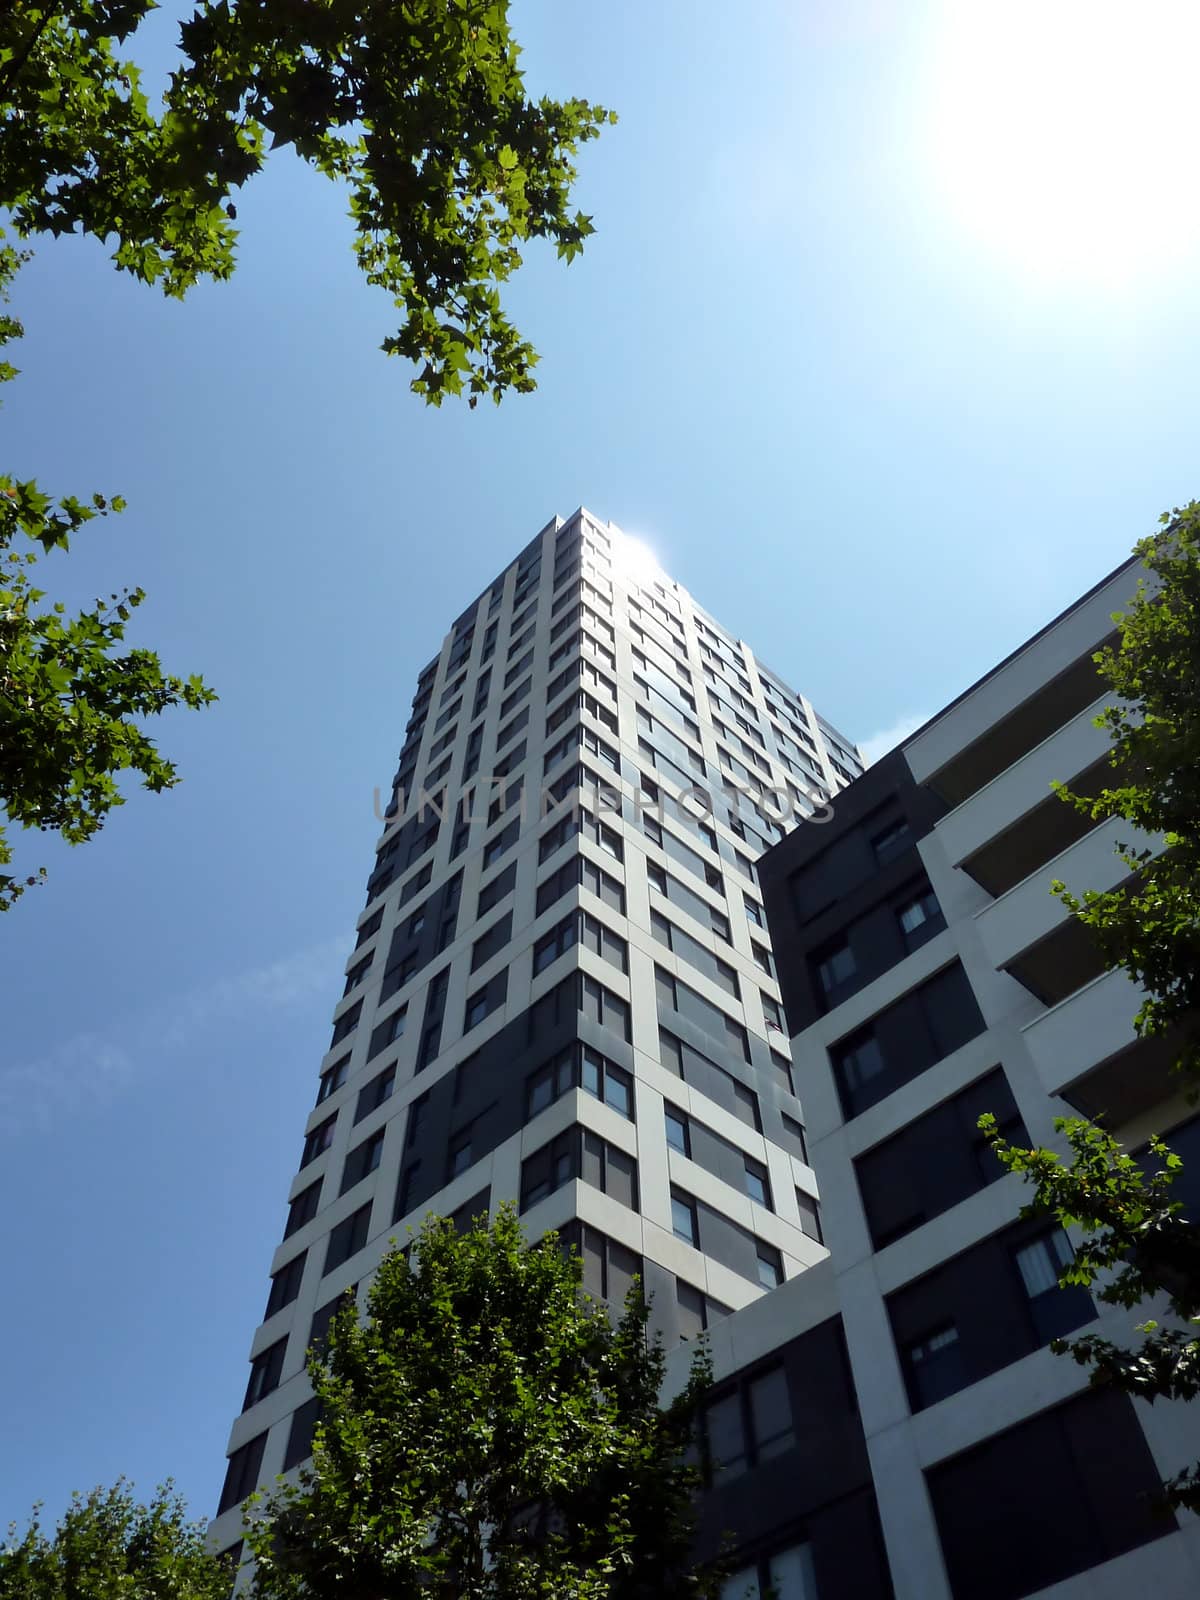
(888, 350)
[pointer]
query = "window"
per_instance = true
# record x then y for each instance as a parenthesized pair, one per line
(357, 975)
(300, 1434)
(900, 1042)
(933, 1366)
(512, 701)
(241, 1475)
(391, 1029)
(758, 1185)
(918, 915)
(550, 1082)
(684, 1221)
(609, 1169)
(810, 1216)
(600, 1078)
(793, 1137)
(484, 1001)
(303, 1208)
(602, 885)
(694, 953)
(1039, 1264)
(318, 1140)
(703, 1013)
(348, 1238)
(458, 1157)
(373, 1094)
(549, 1168)
(786, 1575)
(597, 937)
(496, 846)
(891, 841)
(836, 966)
(751, 1426)
(417, 1113)
(285, 1285)
(492, 893)
(346, 1023)
(859, 1061)
(553, 944)
(678, 1134)
(333, 1078)
(415, 884)
(405, 1190)
(783, 1072)
(772, 1014)
(697, 1311)
(362, 1160)
(265, 1372)
(555, 837)
(606, 1008)
(493, 941)
(699, 1072)
(369, 928)
(935, 1161)
(770, 1265)
(511, 728)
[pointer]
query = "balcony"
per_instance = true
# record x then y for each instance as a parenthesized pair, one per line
(1015, 824)
(1027, 915)
(1085, 1050)
(1023, 701)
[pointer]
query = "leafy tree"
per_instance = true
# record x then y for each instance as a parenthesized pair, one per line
(69, 696)
(108, 1547)
(1151, 927)
(1137, 1244)
(419, 110)
(488, 1434)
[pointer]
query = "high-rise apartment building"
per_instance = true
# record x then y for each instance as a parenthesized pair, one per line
(930, 975)
(562, 991)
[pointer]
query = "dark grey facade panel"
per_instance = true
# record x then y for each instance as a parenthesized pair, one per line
(820, 1490)
(825, 878)
(936, 1161)
(1049, 1498)
(976, 1312)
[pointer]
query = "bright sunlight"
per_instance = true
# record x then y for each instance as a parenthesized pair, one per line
(1064, 129)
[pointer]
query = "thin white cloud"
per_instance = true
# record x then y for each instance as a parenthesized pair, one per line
(90, 1070)
(888, 738)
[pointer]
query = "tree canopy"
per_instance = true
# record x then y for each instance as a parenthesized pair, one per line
(1137, 1243)
(487, 1433)
(109, 1547)
(419, 110)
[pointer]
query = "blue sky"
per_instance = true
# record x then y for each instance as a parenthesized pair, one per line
(883, 384)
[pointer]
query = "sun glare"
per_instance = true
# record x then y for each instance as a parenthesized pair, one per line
(1063, 134)
(635, 558)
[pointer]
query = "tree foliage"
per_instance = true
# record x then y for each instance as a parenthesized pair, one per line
(108, 1547)
(71, 698)
(487, 1434)
(418, 109)
(1151, 927)
(1137, 1244)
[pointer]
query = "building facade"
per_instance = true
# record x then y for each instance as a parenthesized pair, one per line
(930, 975)
(562, 991)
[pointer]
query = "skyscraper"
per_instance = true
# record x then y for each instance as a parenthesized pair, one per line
(562, 991)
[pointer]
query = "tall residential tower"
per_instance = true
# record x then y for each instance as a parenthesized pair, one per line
(562, 991)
